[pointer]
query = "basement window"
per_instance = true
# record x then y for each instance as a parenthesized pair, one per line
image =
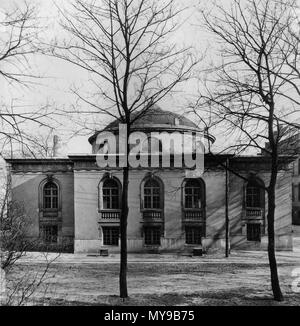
(193, 235)
(49, 233)
(152, 235)
(111, 236)
(253, 232)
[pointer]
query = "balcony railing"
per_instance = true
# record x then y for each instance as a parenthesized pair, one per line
(193, 215)
(152, 215)
(110, 216)
(254, 213)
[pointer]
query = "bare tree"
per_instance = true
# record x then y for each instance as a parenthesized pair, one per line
(18, 286)
(45, 144)
(126, 48)
(23, 288)
(254, 91)
(19, 42)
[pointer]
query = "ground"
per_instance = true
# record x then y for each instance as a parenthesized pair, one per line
(241, 279)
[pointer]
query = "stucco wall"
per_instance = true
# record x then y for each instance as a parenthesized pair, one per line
(283, 212)
(88, 235)
(80, 214)
(25, 192)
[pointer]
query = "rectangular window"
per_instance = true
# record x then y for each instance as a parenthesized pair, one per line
(49, 233)
(110, 198)
(253, 232)
(147, 201)
(193, 235)
(253, 197)
(152, 235)
(111, 236)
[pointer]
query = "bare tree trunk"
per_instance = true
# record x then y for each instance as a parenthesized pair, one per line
(227, 250)
(126, 45)
(271, 244)
(123, 224)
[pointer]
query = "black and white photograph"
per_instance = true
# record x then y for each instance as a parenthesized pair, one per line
(149, 155)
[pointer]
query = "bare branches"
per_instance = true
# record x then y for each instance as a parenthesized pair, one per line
(124, 46)
(255, 88)
(19, 38)
(17, 43)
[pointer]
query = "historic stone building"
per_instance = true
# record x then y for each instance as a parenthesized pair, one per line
(71, 202)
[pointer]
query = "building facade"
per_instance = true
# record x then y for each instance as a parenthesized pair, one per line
(73, 204)
(291, 146)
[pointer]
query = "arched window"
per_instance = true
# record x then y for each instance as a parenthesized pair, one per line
(110, 194)
(255, 206)
(254, 194)
(152, 194)
(152, 206)
(193, 201)
(50, 196)
(193, 194)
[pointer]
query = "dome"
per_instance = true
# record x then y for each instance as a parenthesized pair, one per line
(154, 119)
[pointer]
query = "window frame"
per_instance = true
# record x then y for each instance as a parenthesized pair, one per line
(101, 207)
(249, 234)
(255, 183)
(44, 238)
(160, 195)
(49, 211)
(202, 194)
(51, 196)
(110, 236)
(152, 229)
(190, 228)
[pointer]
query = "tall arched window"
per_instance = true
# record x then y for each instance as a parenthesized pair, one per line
(110, 194)
(254, 194)
(152, 205)
(193, 194)
(50, 196)
(152, 194)
(255, 204)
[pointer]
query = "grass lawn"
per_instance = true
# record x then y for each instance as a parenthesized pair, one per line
(189, 282)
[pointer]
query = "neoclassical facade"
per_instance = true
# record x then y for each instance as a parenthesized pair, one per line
(73, 204)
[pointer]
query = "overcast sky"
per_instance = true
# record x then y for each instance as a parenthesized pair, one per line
(59, 77)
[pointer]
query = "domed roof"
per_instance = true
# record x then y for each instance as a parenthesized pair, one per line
(153, 118)
(156, 116)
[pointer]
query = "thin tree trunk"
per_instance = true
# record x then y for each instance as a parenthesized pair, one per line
(277, 294)
(227, 250)
(124, 218)
(271, 246)
(123, 231)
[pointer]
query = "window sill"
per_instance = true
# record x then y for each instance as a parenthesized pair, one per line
(152, 246)
(105, 246)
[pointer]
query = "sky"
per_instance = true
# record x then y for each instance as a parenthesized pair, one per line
(58, 77)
